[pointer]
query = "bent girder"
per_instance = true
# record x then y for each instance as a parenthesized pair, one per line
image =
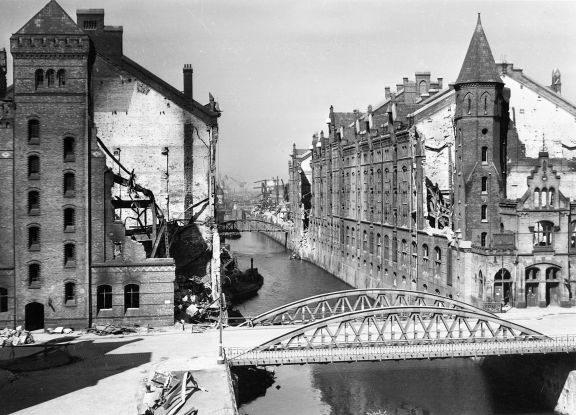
(249, 225)
(394, 325)
(327, 305)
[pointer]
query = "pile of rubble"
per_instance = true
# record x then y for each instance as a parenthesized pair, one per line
(167, 393)
(111, 329)
(11, 337)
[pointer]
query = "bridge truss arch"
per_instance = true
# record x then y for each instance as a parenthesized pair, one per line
(401, 325)
(322, 306)
(250, 225)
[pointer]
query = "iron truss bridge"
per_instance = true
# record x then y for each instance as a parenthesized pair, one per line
(250, 225)
(397, 333)
(340, 302)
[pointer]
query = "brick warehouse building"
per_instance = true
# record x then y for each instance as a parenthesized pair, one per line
(99, 157)
(464, 191)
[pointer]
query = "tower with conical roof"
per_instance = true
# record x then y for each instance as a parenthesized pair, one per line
(479, 177)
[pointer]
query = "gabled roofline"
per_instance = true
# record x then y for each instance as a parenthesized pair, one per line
(518, 75)
(163, 87)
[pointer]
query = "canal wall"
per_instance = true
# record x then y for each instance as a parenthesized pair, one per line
(550, 379)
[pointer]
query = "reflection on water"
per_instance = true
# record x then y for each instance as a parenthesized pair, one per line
(438, 387)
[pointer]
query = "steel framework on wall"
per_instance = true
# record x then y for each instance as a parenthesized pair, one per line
(403, 332)
(332, 304)
(249, 225)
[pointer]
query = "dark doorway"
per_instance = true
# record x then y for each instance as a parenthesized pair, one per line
(34, 316)
(502, 286)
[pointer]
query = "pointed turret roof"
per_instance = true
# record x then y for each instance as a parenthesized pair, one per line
(52, 19)
(479, 65)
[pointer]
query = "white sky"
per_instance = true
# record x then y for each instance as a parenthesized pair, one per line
(276, 66)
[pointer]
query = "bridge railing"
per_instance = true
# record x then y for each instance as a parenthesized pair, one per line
(401, 350)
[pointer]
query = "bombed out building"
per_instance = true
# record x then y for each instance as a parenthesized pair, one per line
(101, 161)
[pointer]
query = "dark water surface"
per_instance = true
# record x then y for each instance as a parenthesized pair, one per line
(437, 387)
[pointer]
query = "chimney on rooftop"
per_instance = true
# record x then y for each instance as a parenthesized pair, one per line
(387, 92)
(440, 83)
(188, 74)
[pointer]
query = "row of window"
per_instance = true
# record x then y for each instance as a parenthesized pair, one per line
(103, 296)
(49, 78)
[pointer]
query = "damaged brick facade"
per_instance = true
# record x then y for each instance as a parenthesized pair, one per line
(72, 253)
(465, 191)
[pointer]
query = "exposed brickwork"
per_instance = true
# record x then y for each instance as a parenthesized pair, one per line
(82, 90)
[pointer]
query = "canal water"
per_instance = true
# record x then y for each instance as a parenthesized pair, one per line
(437, 387)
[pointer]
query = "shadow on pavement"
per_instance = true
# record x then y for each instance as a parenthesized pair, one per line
(92, 364)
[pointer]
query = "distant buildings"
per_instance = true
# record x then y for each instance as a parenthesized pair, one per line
(465, 191)
(98, 157)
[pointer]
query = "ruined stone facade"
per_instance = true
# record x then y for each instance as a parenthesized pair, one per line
(95, 151)
(465, 191)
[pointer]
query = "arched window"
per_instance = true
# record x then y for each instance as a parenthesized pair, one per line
(480, 285)
(468, 104)
(33, 167)
(70, 293)
(38, 78)
(69, 255)
(131, 296)
(404, 251)
(438, 259)
(551, 197)
(61, 75)
(422, 88)
(536, 197)
(483, 236)
(3, 300)
(104, 297)
(365, 241)
(484, 154)
(33, 202)
(69, 150)
(34, 238)
(484, 184)
(485, 101)
(33, 274)
(378, 245)
(69, 184)
(484, 212)
(544, 197)
(50, 77)
(386, 247)
(33, 131)
(69, 220)
(543, 233)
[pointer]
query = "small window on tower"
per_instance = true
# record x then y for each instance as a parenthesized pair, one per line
(484, 154)
(38, 78)
(484, 213)
(61, 75)
(50, 77)
(90, 25)
(69, 185)
(69, 149)
(483, 236)
(484, 184)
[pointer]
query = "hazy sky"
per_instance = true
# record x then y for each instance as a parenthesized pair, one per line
(277, 66)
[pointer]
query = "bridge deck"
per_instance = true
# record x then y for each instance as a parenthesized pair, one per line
(237, 356)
